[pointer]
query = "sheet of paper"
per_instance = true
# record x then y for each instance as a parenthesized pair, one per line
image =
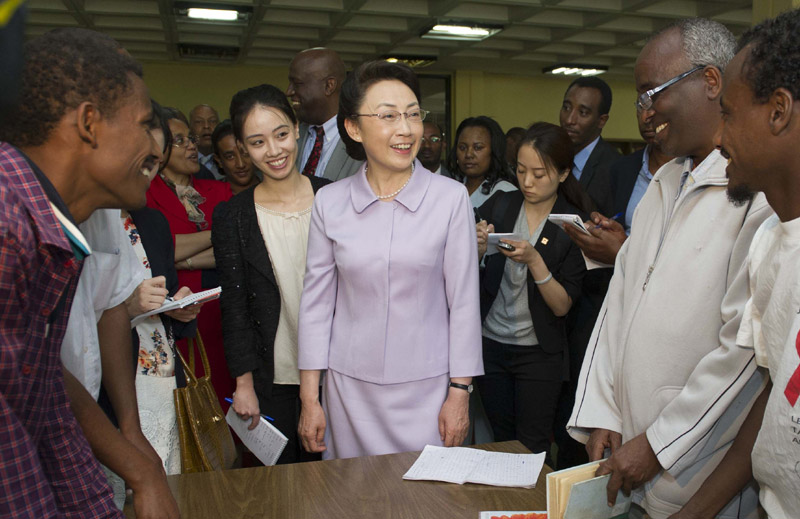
(502, 469)
(451, 464)
(265, 441)
(495, 237)
(464, 465)
(570, 219)
(592, 264)
(589, 499)
(169, 304)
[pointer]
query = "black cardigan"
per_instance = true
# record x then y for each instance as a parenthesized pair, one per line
(559, 253)
(251, 299)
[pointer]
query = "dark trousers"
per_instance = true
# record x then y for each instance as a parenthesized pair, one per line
(520, 392)
(284, 407)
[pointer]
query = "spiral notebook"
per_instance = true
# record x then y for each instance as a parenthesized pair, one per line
(170, 304)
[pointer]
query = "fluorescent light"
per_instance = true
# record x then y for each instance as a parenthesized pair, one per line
(213, 14)
(461, 31)
(575, 70)
(392, 60)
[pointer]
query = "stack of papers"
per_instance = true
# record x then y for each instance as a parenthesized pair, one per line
(463, 465)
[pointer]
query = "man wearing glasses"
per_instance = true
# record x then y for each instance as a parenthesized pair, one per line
(430, 149)
(663, 385)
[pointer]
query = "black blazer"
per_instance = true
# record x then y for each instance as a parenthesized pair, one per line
(251, 299)
(623, 178)
(559, 253)
(596, 176)
(157, 242)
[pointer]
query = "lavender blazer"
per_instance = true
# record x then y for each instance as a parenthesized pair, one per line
(391, 289)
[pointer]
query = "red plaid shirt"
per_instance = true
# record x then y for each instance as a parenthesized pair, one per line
(46, 466)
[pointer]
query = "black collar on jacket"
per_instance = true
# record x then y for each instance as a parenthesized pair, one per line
(242, 207)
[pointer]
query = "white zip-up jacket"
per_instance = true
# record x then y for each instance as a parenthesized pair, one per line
(663, 357)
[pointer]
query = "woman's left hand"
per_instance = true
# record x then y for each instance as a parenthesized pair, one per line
(523, 252)
(454, 418)
(188, 313)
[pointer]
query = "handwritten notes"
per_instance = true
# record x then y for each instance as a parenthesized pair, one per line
(463, 465)
(265, 441)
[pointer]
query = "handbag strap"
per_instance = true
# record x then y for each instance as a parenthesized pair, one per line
(188, 368)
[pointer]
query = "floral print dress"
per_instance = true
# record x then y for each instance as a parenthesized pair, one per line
(155, 374)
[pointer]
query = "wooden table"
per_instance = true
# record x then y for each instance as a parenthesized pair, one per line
(369, 487)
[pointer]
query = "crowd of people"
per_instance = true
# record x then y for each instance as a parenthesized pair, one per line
(366, 304)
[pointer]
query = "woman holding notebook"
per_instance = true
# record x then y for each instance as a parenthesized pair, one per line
(527, 289)
(260, 248)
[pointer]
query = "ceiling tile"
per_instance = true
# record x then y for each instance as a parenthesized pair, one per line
(377, 23)
(277, 31)
(556, 18)
(121, 6)
(404, 7)
(292, 17)
(479, 12)
(325, 5)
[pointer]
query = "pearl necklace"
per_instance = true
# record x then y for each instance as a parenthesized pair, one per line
(392, 195)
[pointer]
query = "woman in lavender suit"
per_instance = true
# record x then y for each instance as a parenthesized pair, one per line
(390, 304)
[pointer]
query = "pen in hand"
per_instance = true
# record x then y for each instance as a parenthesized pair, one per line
(600, 226)
(271, 419)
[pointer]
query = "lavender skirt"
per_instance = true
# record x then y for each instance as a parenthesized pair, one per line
(366, 419)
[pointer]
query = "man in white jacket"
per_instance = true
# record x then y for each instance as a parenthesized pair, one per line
(663, 384)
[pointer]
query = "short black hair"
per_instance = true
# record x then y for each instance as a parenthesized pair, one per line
(498, 168)
(64, 68)
(599, 85)
(245, 100)
(355, 88)
(774, 58)
(161, 120)
(222, 130)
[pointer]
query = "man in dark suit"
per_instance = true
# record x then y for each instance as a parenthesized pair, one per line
(430, 151)
(315, 79)
(584, 113)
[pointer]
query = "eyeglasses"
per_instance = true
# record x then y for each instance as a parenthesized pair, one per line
(645, 101)
(181, 142)
(433, 139)
(393, 116)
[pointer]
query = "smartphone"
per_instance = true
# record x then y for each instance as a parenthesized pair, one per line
(506, 246)
(477, 214)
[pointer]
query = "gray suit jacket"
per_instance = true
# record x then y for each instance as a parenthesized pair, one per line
(340, 165)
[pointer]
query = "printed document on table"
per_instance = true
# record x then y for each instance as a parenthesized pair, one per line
(451, 464)
(265, 441)
(464, 465)
(495, 237)
(502, 469)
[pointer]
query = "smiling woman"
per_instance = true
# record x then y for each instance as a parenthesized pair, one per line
(188, 204)
(260, 248)
(390, 299)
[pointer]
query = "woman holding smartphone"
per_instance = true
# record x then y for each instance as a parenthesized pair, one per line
(527, 289)
(390, 302)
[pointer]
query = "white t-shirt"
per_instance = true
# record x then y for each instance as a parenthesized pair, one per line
(110, 274)
(771, 325)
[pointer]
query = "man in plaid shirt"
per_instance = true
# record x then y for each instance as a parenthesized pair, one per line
(78, 141)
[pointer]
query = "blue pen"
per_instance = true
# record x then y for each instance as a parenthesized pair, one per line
(271, 419)
(621, 213)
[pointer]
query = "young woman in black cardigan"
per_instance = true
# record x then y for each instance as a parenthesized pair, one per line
(260, 244)
(526, 293)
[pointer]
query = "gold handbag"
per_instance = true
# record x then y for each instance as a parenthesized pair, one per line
(205, 439)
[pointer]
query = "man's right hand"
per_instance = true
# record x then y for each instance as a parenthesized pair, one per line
(600, 440)
(607, 236)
